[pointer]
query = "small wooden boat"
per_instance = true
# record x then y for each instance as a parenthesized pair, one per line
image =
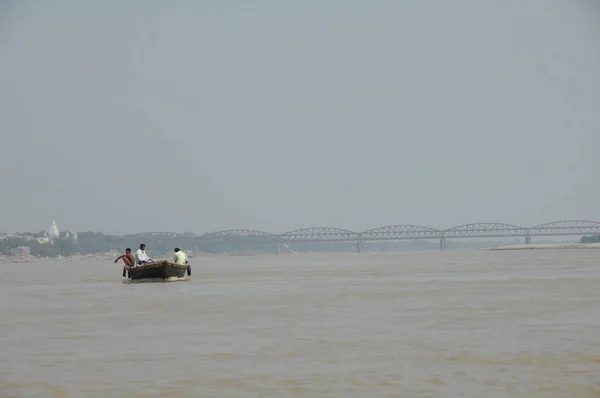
(159, 270)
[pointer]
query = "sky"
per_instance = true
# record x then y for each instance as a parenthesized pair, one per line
(141, 115)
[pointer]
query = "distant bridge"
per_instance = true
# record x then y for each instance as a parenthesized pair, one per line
(387, 233)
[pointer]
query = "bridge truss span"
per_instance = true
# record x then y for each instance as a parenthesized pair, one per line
(238, 235)
(485, 230)
(320, 234)
(400, 232)
(389, 233)
(156, 235)
(568, 227)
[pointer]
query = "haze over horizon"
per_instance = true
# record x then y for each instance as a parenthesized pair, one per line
(138, 116)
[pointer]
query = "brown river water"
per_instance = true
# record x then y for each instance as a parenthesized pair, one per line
(431, 324)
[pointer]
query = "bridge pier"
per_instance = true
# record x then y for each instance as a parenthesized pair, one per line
(443, 244)
(359, 246)
(196, 249)
(528, 240)
(277, 248)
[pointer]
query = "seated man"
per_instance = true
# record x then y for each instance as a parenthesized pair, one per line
(180, 257)
(141, 256)
(127, 258)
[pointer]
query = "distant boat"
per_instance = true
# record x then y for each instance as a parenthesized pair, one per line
(160, 271)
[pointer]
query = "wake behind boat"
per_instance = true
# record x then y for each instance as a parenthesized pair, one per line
(159, 271)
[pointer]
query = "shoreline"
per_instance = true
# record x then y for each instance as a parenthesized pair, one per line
(111, 256)
(545, 246)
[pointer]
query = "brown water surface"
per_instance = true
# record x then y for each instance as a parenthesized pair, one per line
(452, 324)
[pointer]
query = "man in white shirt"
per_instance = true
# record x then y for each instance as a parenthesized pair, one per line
(141, 257)
(180, 257)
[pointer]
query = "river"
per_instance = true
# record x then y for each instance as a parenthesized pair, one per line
(429, 324)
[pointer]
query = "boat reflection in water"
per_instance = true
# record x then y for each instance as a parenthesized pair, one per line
(158, 271)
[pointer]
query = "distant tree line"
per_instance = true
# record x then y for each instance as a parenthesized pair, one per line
(65, 245)
(590, 239)
(97, 242)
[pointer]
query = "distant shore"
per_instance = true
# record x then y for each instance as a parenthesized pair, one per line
(546, 246)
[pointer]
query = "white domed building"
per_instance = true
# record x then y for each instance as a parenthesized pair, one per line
(53, 231)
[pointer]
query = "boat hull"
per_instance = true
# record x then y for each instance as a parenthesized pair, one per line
(160, 271)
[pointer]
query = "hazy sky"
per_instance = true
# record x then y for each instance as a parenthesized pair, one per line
(133, 116)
